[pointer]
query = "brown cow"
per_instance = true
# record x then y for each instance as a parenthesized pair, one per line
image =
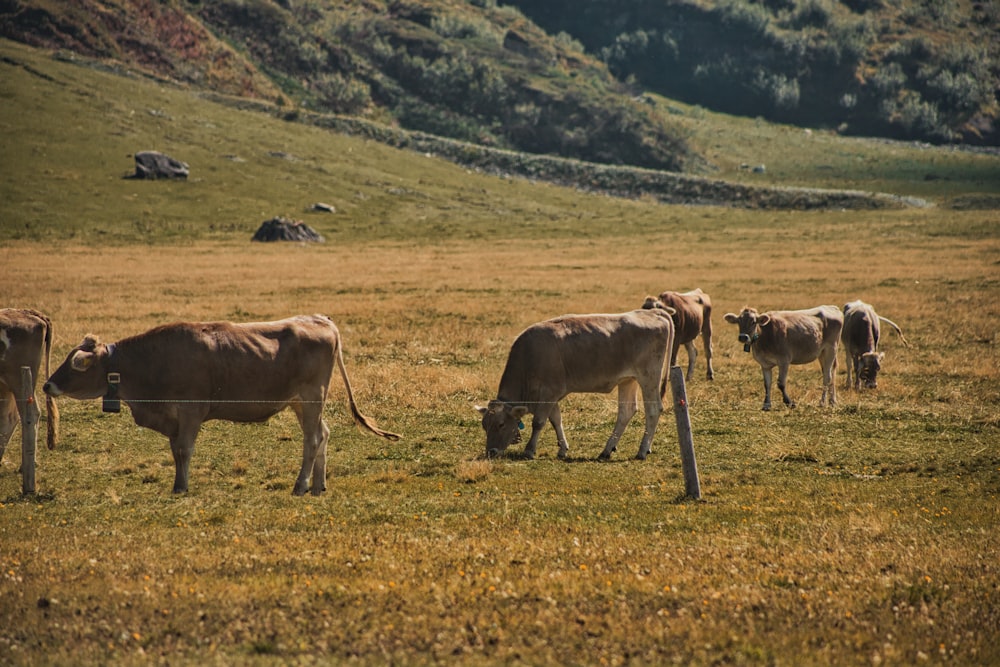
(860, 338)
(177, 376)
(693, 317)
(785, 337)
(582, 353)
(25, 337)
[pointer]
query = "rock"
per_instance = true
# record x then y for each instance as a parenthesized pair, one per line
(153, 165)
(283, 229)
(323, 208)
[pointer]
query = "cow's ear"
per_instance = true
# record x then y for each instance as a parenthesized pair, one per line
(81, 360)
(482, 409)
(519, 411)
(732, 318)
(881, 356)
(764, 320)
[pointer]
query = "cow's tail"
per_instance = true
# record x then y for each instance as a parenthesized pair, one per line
(359, 418)
(52, 423)
(896, 327)
(667, 362)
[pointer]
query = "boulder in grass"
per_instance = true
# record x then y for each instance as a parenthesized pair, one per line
(152, 165)
(283, 229)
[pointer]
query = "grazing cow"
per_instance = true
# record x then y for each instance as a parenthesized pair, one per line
(25, 336)
(784, 337)
(693, 318)
(582, 353)
(177, 376)
(860, 338)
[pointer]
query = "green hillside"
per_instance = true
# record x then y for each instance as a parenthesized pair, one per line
(451, 68)
(579, 80)
(908, 69)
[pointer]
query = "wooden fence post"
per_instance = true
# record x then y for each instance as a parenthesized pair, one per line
(692, 487)
(29, 431)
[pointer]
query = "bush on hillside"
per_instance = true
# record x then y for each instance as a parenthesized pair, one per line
(845, 63)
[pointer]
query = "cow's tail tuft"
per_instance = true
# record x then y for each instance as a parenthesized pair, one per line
(359, 418)
(52, 423)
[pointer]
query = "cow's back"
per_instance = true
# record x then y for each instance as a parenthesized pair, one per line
(800, 334)
(23, 335)
(584, 353)
(690, 313)
(861, 328)
(226, 362)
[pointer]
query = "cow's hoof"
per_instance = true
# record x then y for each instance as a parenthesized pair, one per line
(604, 457)
(641, 456)
(298, 491)
(767, 407)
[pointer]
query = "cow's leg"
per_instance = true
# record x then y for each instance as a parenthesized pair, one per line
(319, 466)
(652, 407)
(8, 418)
(692, 356)
(828, 360)
(706, 337)
(555, 418)
(849, 364)
(627, 406)
(314, 438)
(783, 382)
(766, 371)
(182, 447)
(538, 420)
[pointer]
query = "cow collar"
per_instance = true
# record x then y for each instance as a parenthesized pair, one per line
(111, 402)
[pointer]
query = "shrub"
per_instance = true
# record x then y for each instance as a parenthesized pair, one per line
(342, 94)
(958, 79)
(862, 6)
(812, 13)
(752, 19)
(461, 27)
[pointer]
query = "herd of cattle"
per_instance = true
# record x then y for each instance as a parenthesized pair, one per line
(177, 376)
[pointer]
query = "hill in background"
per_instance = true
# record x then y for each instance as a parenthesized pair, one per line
(487, 73)
(904, 69)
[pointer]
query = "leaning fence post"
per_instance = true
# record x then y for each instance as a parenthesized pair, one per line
(692, 487)
(29, 431)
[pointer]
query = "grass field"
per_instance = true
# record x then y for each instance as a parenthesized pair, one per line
(862, 534)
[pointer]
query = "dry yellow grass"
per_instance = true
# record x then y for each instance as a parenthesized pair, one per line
(864, 534)
(855, 535)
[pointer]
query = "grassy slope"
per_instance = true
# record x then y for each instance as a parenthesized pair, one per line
(825, 537)
(63, 174)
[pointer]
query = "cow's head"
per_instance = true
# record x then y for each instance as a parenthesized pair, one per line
(871, 364)
(83, 374)
(502, 423)
(749, 322)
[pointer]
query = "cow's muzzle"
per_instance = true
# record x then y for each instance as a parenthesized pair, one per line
(747, 341)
